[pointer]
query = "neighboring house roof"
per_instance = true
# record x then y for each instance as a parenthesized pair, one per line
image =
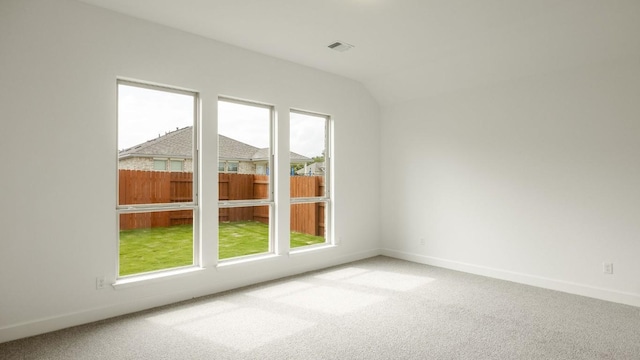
(263, 154)
(230, 149)
(178, 144)
(173, 144)
(297, 158)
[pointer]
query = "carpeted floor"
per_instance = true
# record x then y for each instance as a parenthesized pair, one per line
(379, 308)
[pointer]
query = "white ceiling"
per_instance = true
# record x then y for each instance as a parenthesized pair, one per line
(405, 49)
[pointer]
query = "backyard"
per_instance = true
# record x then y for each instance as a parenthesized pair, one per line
(151, 249)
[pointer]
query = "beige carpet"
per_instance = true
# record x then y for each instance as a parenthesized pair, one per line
(379, 308)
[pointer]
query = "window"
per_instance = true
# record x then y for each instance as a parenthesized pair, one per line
(160, 165)
(156, 209)
(246, 201)
(232, 167)
(310, 178)
(227, 166)
(176, 165)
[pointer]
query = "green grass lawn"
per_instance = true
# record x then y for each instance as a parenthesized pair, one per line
(144, 250)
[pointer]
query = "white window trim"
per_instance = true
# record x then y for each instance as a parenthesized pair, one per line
(140, 208)
(327, 198)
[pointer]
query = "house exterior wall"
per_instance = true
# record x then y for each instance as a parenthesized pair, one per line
(188, 165)
(146, 164)
(136, 164)
(245, 167)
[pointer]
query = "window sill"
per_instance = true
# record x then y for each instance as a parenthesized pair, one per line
(137, 280)
(143, 279)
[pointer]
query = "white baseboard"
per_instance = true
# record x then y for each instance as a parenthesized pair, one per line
(17, 331)
(63, 321)
(538, 281)
(58, 322)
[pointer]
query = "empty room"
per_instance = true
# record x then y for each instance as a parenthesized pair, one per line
(320, 179)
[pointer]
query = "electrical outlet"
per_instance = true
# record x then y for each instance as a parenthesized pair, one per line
(607, 268)
(100, 281)
(422, 241)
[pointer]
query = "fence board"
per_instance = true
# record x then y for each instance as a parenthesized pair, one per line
(241, 186)
(181, 189)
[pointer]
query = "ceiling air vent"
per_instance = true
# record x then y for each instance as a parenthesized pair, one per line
(340, 46)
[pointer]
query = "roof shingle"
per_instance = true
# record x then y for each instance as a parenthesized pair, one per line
(178, 144)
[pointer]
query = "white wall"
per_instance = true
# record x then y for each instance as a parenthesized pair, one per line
(58, 66)
(534, 179)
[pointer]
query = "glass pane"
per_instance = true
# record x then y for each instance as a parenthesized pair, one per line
(244, 141)
(308, 147)
(155, 241)
(159, 165)
(176, 165)
(243, 231)
(152, 123)
(308, 224)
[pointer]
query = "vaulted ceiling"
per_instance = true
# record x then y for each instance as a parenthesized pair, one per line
(406, 49)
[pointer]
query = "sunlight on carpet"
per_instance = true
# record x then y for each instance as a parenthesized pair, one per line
(389, 280)
(191, 312)
(378, 279)
(330, 300)
(278, 290)
(341, 274)
(243, 329)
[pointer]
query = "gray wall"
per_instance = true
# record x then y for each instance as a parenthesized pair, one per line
(58, 70)
(535, 179)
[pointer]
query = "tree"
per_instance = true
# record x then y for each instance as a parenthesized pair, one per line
(317, 159)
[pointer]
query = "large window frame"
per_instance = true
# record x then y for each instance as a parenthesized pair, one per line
(193, 205)
(325, 198)
(274, 206)
(269, 200)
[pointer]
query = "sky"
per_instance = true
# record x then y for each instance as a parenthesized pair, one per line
(145, 114)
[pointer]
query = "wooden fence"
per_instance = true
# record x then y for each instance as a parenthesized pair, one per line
(153, 187)
(307, 218)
